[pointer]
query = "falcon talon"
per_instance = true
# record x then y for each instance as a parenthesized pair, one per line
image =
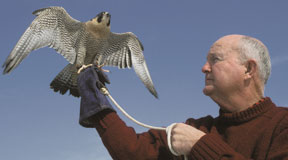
(104, 70)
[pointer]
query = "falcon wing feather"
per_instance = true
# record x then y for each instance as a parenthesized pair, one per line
(125, 50)
(52, 27)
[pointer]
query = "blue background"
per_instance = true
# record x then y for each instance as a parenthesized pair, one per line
(37, 123)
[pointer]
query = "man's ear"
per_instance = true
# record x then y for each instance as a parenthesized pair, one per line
(251, 68)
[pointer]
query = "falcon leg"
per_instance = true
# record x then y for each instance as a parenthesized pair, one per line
(84, 67)
(89, 65)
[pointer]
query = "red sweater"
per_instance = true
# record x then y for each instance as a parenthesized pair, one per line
(260, 132)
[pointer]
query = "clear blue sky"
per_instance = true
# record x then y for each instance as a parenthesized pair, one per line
(37, 123)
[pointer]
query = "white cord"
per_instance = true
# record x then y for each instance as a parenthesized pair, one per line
(105, 91)
(168, 129)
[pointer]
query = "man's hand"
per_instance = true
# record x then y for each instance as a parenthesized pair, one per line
(184, 137)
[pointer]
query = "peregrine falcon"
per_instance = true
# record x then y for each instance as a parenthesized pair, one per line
(80, 43)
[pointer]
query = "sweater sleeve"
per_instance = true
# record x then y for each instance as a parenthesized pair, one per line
(212, 147)
(122, 142)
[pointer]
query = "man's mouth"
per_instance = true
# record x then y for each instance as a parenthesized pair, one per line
(208, 80)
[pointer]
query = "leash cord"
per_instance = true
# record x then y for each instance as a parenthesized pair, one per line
(105, 92)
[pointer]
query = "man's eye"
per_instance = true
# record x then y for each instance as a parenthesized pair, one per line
(215, 59)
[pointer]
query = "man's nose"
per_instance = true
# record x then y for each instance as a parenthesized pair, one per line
(206, 68)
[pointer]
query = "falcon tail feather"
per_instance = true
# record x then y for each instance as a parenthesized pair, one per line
(66, 80)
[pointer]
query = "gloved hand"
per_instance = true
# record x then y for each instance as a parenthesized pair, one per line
(92, 100)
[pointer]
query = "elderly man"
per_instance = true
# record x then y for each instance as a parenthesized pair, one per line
(249, 125)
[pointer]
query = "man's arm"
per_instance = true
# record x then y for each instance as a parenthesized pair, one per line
(197, 145)
(123, 142)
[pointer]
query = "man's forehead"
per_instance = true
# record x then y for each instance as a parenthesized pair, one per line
(216, 49)
(223, 47)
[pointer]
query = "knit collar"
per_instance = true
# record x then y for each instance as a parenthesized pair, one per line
(255, 110)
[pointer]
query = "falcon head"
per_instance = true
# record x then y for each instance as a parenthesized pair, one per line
(102, 18)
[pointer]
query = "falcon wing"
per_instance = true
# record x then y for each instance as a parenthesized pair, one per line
(52, 27)
(125, 50)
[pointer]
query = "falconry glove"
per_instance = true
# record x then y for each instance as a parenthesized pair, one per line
(92, 100)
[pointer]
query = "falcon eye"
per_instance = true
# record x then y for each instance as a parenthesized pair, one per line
(100, 17)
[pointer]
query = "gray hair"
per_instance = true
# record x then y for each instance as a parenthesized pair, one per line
(251, 48)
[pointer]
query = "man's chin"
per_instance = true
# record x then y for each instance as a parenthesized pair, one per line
(208, 90)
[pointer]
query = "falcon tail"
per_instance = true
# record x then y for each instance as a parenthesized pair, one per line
(66, 80)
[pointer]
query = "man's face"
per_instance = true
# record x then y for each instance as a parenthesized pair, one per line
(224, 74)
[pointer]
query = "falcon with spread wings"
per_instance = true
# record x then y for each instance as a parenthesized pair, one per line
(80, 43)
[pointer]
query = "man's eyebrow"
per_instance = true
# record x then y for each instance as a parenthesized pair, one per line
(214, 54)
